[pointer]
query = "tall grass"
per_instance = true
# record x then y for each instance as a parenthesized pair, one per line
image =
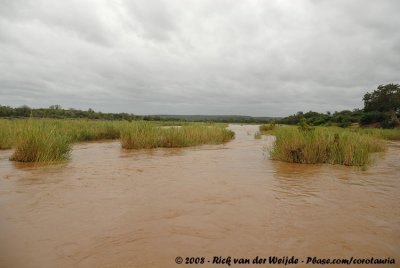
(387, 134)
(49, 140)
(146, 135)
(7, 134)
(39, 142)
(267, 127)
(86, 130)
(324, 145)
(139, 135)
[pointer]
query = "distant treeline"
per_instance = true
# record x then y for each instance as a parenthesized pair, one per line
(381, 109)
(56, 111)
(343, 119)
(219, 118)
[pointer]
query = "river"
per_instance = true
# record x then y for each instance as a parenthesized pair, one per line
(110, 207)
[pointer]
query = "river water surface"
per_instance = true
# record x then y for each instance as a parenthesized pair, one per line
(109, 207)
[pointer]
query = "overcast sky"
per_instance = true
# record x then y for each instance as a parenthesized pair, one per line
(255, 57)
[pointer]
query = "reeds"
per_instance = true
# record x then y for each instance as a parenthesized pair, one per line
(146, 135)
(268, 129)
(7, 134)
(86, 130)
(323, 145)
(50, 140)
(387, 134)
(38, 142)
(139, 135)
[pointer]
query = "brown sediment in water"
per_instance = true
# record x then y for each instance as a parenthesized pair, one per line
(110, 207)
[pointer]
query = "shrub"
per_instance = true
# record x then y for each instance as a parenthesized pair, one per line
(373, 117)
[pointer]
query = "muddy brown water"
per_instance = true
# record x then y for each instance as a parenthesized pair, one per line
(109, 207)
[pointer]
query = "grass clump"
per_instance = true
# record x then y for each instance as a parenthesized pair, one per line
(257, 135)
(145, 135)
(323, 145)
(39, 142)
(49, 140)
(139, 135)
(206, 134)
(267, 129)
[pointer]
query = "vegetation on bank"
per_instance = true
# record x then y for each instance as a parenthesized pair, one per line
(49, 140)
(266, 129)
(381, 109)
(380, 133)
(57, 112)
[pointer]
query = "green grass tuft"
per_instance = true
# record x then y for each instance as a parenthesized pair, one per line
(146, 135)
(49, 140)
(7, 134)
(38, 142)
(324, 145)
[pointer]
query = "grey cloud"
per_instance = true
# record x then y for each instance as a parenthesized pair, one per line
(151, 19)
(83, 19)
(194, 57)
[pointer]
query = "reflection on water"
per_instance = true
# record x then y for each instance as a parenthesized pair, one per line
(110, 207)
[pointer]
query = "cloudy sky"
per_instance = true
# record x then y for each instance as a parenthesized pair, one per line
(253, 57)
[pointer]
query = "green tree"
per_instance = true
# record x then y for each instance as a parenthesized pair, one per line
(23, 111)
(386, 98)
(55, 107)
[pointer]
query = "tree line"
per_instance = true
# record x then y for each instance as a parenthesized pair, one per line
(381, 109)
(57, 112)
